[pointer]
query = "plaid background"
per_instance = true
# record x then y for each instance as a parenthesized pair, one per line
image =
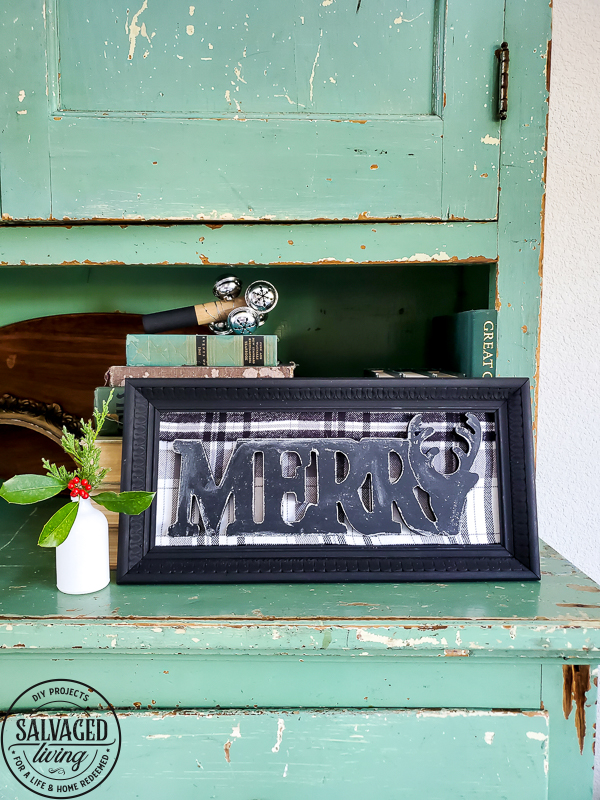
(219, 432)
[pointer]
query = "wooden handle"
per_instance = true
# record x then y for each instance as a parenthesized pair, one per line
(216, 311)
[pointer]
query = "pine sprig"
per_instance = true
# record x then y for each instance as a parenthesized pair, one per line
(84, 451)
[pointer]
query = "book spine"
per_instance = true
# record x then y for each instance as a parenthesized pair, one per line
(156, 350)
(117, 375)
(483, 343)
(465, 343)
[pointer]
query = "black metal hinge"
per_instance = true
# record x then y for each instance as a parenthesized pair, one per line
(503, 57)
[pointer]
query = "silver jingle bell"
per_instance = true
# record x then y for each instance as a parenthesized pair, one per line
(262, 318)
(243, 321)
(227, 287)
(219, 328)
(261, 296)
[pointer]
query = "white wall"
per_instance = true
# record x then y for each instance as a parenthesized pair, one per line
(568, 453)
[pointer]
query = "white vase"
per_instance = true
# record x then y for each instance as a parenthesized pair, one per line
(82, 564)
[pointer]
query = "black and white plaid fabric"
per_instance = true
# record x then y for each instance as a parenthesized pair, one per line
(220, 431)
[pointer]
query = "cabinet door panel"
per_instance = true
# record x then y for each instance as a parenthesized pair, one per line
(305, 110)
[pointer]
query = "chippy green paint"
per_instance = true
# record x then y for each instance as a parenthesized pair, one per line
(329, 754)
(334, 244)
(522, 182)
(321, 112)
(372, 651)
(568, 765)
(557, 618)
(296, 680)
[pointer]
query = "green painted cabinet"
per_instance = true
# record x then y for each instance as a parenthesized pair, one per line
(351, 152)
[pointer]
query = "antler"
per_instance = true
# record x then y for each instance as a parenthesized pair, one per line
(447, 493)
(473, 439)
(420, 462)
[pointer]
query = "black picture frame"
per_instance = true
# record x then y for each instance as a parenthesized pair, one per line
(514, 557)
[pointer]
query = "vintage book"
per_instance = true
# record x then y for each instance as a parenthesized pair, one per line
(394, 373)
(116, 375)
(110, 456)
(113, 424)
(168, 350)
(466, 342)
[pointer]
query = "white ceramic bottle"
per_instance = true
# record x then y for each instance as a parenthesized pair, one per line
(82, 564)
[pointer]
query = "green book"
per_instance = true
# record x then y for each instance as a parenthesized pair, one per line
(466, 342)
(113, 424)
(174, 350)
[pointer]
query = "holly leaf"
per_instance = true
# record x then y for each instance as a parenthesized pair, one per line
(58, 527)
(125, 502)
(25, 489)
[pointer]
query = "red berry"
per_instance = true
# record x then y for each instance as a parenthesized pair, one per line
(83, 494)
(75, 493)
(86, 485)
(75, 479)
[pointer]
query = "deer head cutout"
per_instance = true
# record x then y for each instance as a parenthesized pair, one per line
(446, 494)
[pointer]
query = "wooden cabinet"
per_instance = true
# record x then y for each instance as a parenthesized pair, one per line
(366, 173)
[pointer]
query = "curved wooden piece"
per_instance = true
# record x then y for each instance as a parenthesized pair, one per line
(56, 363)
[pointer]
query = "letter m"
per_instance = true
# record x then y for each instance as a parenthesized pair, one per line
(197, 481)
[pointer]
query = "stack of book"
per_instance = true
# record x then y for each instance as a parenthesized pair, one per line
(176, 356)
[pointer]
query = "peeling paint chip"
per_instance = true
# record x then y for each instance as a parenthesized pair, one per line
(280, 730)
(540, 737)
(487, 139)
(489, 737)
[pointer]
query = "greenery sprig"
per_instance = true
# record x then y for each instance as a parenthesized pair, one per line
(88, 475)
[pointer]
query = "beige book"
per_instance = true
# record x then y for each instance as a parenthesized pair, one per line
(116, 375)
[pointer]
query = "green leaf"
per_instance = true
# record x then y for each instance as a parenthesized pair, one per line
(125, 502)
(25, 489)
(56, 530)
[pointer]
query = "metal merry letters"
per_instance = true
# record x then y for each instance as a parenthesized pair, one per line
(358, 484)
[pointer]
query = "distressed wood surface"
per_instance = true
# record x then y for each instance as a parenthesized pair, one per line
(327, 754)
(197, 116)
(522, 181)
(572, 730)
(213, 679)
(557, 617)
(227, 244)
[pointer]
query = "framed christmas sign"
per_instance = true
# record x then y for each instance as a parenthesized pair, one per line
(329, 480)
